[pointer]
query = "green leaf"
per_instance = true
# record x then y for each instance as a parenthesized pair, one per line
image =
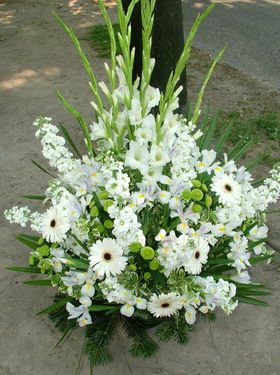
(24, 269)
(260, 258)
(252, 301)
(253, 244)
(42, 168)
(223, 139)
(38, 282)
(220, 261)
(53, 307)
(80, 120)
(76, 263)
(254, 163)
(103, 307)
(208, 136)
(203, 88)
(30, 241)
(70, 140)
(34, 197)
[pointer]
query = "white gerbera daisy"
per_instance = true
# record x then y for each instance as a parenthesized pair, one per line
(227, 189)
(54, 225)
(199, 256)
(164, 305)
(106, 257)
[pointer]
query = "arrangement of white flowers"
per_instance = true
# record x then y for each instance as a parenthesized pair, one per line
(150, 227)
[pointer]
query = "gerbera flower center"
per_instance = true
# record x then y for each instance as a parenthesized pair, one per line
(228, 188)
(165, 305)
(197, 255)
(53, 223)
(107, 256)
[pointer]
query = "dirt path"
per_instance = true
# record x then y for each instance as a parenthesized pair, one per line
(36, 57)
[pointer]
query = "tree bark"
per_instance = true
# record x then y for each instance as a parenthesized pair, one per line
(168, 43)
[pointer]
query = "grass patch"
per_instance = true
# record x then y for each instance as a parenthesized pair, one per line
(100, 38)
(267, 124)
(264, 130)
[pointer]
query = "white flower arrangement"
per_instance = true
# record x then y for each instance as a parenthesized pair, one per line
(150, 225)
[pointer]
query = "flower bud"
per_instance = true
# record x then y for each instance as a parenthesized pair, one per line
(208, 201)
(186, 195)
(204, 188)
(196, 183)
(94, 212)
(103, 194)
(154, 264)
(147, 253)
(147, 275)
(107, 204)
(108, 224)
(135, 247)
(132, 267)
(196, 208)
(197, 195)
(31, 260)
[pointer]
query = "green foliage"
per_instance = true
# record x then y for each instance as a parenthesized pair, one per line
(98, 338)
(174, 328)
(143, 345)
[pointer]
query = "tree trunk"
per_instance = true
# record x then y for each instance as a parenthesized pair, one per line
(168, 43)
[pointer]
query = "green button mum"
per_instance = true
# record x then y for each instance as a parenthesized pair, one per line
(147, 253)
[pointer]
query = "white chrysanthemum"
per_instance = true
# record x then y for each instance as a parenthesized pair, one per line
(54, 225)
(199, 256)
(107, 257)
(164, 305)
(227, 189)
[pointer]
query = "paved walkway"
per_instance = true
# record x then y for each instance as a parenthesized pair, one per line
(36, 57)
(249, 28)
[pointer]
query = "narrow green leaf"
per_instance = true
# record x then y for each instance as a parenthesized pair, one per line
(80, 120)
(77, 263)
(223, 138)
(203, 88)
(24, 269)
(252, 301)
(70, 140)
(34, 197)
(42, 168)
(260, 258)
(38, 282)
(253, 163)
(29, 241)
(220, 261)
(54, 306)
(253, 244)
(208, 136)
(103, 307)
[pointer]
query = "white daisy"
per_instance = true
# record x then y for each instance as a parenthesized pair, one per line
(107, 257)
(200, 250)
(164, 305)
(227, 189)
(54, 225)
